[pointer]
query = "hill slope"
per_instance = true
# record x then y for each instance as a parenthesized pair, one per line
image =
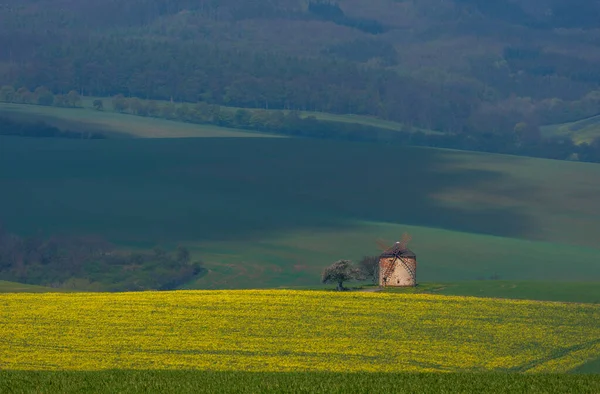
(294, 331)
(273, 212)
(587, 292)
(13, 287)
(117, 125)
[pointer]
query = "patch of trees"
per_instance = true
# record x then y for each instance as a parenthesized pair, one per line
(241, 78)
(534, 61)
(39, 129)
(523, 139)
(343, 271)
(369, 267)
(335, 81)
(40, 96)
(187, 50)
(142, 68)
(91, 263)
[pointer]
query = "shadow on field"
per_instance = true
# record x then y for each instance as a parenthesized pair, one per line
(173, 190)
(63, 124)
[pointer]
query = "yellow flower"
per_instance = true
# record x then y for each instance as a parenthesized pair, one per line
(282, 330)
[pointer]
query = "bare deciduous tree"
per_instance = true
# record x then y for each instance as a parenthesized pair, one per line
(369, 267)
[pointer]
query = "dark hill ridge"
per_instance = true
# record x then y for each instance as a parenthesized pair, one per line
(453, 66)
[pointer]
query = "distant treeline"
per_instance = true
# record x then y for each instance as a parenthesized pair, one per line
(40, 96)
(195, 50)
(525, 139)
(145, 68)
(40, 129)
(91, 263)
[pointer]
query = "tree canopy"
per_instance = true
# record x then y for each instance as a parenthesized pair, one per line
(339, 272)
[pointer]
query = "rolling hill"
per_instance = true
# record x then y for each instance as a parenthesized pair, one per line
(13, 287)
(117, 125)
(287, 331)
(273, 212)
(294, 341)
(581, 131)
(584, 292)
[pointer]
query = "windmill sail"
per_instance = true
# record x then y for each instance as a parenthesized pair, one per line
(398, 255)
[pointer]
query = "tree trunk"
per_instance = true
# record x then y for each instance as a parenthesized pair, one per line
(340, 286)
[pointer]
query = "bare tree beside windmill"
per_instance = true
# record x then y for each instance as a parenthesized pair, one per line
(398, 264)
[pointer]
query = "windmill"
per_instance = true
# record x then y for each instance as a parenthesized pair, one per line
(397, 264)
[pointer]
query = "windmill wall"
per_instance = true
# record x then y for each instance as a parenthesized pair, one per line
(400, 276)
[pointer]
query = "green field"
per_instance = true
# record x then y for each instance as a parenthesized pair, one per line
(87, 102)
(244, 382)
(585, 130)
(118, 125)
(13, 287)
(585, 292)
(273, 212)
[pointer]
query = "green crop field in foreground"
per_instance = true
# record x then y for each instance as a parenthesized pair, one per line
(294, 331)
(244, 382)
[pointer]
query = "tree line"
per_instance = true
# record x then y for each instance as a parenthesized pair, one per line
(525, 139)
(175, 49)
(219, 77)
(40, 96)
(92, 263)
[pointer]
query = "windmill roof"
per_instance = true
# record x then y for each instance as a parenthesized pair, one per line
(398, 250)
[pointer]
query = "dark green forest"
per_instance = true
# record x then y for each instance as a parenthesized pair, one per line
(460, 66)
(92, 263)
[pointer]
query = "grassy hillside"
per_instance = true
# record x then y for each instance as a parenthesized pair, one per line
(297, 258)
(547, 291)
(115, 124)
(273, 212)
(88, 102)
(300, 331)
(13, 287)
(585, 130)
(581, 292)
(252, 382)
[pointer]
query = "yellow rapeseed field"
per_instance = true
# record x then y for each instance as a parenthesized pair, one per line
(280, 330)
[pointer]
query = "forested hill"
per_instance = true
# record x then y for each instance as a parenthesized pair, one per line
(458, 66)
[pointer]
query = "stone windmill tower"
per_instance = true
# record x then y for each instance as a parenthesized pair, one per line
(398, 265)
